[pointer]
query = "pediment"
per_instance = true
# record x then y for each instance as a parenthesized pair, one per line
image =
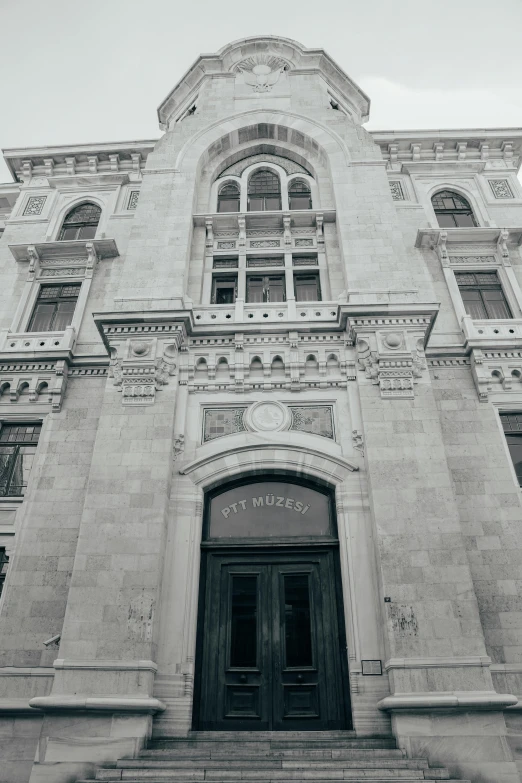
(262, 57)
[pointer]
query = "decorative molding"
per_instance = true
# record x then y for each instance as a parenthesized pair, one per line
(496, 371)
(500, 188)
(261, 71)
(34, 383)
(358, 441)
(35, 205)
(142, 366)
(391, 355)
(397, 192)
(438, 663)
(98, 703)
(107, 665)
(260, 243)
(475, 260)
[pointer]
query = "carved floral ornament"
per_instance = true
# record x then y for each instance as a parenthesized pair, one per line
(261, 71)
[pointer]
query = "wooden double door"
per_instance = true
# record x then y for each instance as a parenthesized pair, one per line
(272, 651)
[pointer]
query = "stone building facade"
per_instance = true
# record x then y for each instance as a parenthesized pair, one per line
(261, 396)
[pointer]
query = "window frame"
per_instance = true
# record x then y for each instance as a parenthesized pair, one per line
(455, 211)
(264, 195)
(217, 280)
(480, 288)
(56, 301)
(4, 567)
(16, 445)
(221, 199)
(79, 225)
(266, 277)
(315, 274)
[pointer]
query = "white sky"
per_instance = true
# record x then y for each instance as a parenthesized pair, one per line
(96, 71)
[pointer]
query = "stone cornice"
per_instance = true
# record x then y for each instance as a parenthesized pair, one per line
(67, 249)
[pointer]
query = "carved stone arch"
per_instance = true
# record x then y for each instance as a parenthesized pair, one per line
(268, 458)
(209, 143)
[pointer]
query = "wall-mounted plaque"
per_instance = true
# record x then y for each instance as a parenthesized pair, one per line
(373, 668)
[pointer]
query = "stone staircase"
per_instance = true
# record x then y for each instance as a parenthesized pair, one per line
(271, 757)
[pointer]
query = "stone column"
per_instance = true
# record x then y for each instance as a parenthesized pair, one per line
(441, 686)
(101, 703)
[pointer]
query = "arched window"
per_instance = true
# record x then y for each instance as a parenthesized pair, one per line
(264, 191)
(228, 198)
(299, 195)
(81, 222)
(452, 210)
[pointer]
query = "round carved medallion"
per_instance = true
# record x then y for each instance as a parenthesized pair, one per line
(267, 417)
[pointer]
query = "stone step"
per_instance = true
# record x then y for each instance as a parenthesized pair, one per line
(226, 774)
(289, 753)
(274, 742)
(267, 779)
(265, 763)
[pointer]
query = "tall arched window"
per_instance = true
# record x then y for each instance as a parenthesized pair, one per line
(452, 210)
(264, 191)
(228, 198)
(299, 195)
(81, 222)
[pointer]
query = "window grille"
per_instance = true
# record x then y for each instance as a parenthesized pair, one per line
(228, 198)
(482, 295)
(4, 561)
(261, 262)
(512, 425)
(81, 222)
(299, 195)
(452, 210)
(304, 261)
(54, 308)
(17, 449)
(225, 263)
(264, 191)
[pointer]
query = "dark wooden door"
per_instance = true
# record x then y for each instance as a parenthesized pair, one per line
(271, 643)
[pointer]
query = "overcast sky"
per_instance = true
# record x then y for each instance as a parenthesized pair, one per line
(96, 71)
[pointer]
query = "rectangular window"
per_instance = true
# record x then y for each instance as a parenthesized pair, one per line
(512, 425)
(17, 449)
(54, 308)
(266, 288)
(4, 561)
(224, 290)
(482, 295)
(307, 288)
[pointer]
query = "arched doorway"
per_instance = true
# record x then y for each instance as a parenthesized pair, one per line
(271, 652)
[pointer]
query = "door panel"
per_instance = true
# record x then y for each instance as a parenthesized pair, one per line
(271, 650)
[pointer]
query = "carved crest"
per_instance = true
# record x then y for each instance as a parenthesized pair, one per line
(261, 71)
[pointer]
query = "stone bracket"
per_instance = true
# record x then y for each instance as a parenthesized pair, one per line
(496, 372)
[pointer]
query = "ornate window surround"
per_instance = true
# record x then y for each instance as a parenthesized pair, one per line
(467, 184)
(242, 183)
(59, 262)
